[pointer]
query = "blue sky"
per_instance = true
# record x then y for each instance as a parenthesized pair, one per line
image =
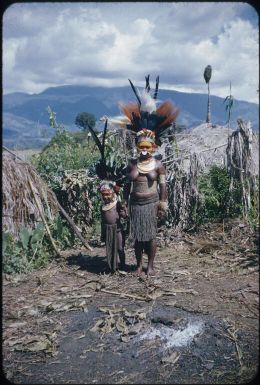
(96, 43)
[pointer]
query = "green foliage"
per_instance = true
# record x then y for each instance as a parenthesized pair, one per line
(80, 137)
(63, 152)
(25, 253)
(96, 214)
(84, 120)
(62, 234)
(113, 153)
(32, 249)
(218, 201)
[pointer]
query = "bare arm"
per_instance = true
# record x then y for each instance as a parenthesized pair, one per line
(162, 187)
(103, 229)
(126, 191)
(127, 185)
(122, 210)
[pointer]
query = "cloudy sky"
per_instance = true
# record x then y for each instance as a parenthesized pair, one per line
(94, 43)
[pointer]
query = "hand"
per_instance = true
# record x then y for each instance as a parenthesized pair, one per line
(123, 211)
(161, 214)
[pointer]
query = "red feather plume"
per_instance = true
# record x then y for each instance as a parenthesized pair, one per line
(129, 109)
(168, 110)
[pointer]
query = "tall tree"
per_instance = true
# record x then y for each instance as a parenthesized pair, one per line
(84, 120)
(207, 77)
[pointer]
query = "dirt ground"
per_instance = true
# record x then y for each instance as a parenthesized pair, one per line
(195, 322)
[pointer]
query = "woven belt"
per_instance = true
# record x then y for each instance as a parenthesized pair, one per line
(144, 200)
(145, 187)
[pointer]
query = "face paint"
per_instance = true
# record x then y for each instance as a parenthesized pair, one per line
(145, 148)
(107, 196)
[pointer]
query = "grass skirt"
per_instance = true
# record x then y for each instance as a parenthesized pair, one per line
(143, 222)
(111, 246)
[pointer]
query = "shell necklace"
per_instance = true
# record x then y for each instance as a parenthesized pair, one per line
(109, 205)
(147, 166)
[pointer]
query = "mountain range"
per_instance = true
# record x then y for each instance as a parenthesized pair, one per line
(26, 120)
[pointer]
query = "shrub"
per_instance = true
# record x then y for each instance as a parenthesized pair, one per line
(25, 253)
(32, 249)
(218, 202)
(63, 152)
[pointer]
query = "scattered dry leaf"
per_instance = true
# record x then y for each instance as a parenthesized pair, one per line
(171, 359)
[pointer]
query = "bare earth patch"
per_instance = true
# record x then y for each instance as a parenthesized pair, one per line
(196, 321)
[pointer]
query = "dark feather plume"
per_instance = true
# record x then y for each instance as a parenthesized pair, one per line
(104, 169)
(156, 88)
(135, 92)
(97, 141)
(104, 136)
(147, 85)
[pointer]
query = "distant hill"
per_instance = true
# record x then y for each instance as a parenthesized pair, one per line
(26, 121)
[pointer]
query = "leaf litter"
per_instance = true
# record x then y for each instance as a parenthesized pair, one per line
(188, 278)
(121, 320)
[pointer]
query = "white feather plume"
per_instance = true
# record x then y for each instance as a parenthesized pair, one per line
(147, 102)
(118, 121)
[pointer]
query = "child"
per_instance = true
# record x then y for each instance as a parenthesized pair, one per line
(112, 232)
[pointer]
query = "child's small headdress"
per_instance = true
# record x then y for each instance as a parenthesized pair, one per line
(106, 185)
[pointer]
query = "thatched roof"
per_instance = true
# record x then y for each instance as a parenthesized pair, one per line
(210, 143)
(25, 195)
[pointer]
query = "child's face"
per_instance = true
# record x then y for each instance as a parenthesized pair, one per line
(107, 196)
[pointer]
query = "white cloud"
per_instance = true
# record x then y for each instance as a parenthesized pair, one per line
(106, 43)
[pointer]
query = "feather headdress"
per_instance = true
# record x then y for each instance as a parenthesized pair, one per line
(144, 115)
(110, 173)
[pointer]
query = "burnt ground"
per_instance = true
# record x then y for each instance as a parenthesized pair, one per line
(195, 322)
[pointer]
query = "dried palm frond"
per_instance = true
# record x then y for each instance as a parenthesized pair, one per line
(19, 206)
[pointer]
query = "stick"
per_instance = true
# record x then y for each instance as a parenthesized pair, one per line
(123, 294)
(213, 148)
(191, 291)
(16, 156)
(43, 219)
(74, 228)
(232, 336)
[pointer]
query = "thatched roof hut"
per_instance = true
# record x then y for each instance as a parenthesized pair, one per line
(25, 196)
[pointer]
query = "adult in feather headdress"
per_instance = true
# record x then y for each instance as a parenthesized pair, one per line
(112, 211)
(145, 189)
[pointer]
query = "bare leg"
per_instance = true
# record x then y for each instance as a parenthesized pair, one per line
(139, 256)
(151, 249)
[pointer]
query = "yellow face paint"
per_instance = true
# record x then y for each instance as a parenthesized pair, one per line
(107, 196)
(145, 146)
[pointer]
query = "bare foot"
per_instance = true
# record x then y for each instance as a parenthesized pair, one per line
(139, 270)
(151, 272)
